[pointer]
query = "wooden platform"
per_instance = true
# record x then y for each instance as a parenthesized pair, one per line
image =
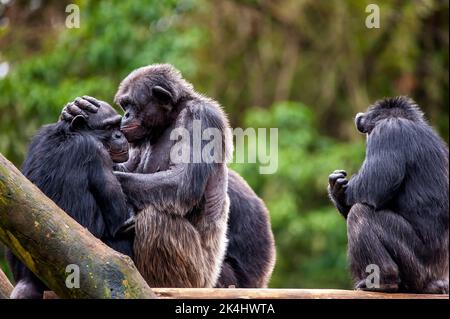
(233, 293)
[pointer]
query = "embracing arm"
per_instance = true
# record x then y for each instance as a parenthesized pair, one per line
(182, 186)
(108, 194)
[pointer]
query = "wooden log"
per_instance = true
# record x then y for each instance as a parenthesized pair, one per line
(5, 286)
(231, 293)
(47, 240)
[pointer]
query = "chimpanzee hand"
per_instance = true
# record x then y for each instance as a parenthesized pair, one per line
(127, 228)
(80, 106)
(129, 188)
(337, 184)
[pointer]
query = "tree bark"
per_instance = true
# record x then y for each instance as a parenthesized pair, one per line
(47, 240)
(5, 286)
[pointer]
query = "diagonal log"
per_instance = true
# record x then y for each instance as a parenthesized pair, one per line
(47, 240)
(5, 286)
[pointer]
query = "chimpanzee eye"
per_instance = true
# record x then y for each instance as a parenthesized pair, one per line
(126, 104)
(130, 105)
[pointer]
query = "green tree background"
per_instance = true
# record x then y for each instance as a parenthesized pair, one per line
(305, 67)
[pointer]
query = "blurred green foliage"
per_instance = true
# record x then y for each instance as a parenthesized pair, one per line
(304, 67)
(310, 234)
(91, 60)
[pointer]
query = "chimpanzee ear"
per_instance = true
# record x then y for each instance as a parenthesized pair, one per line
(162, 94)
(78, 122)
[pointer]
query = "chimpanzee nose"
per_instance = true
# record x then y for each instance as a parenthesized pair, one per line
(127, 115)
(118, 135)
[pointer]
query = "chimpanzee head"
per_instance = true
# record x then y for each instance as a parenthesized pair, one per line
(104, 125)
(396, 107)
(150, 97)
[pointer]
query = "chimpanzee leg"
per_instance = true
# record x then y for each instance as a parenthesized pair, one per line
(389, 241)
(367, 253)
(28, 286)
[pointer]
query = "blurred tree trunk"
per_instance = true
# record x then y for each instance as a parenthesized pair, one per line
(47, 240)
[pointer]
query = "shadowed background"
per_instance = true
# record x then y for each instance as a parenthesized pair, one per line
(303, 66)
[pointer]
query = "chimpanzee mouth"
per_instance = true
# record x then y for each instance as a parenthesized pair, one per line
(119, 157)
(133, 133)
(120, 153)
(129, 128)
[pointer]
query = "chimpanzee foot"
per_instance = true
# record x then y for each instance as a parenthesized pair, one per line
(437, 287)
(26, 290)
(382, 287)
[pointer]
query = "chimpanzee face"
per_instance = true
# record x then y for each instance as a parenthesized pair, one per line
(148, 100)
(399, 107)
(105, 126)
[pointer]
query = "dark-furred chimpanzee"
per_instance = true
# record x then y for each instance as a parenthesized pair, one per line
(396, 206)
(71, 162)
(156, 99)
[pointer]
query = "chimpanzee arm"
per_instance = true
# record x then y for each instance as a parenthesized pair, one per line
(337, 185)
(108, 194)
(384, 167)
(183, 185)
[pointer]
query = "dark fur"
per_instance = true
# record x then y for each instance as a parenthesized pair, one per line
(397, 205)
(149, 118)
(73, 168)
(250, 255)
(183, 207)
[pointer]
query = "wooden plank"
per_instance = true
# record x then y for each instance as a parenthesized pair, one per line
(235, 293)
(232, 293)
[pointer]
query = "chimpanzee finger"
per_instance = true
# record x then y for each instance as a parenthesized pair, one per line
(66, 116)
(128, 226)
(74, 110)
(340, 171)
(93, 101)
(340, 183)
(333, 177)
(85, 105)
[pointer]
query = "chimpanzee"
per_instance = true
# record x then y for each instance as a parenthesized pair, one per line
(156, 100)
(397, 206)
(71, 162)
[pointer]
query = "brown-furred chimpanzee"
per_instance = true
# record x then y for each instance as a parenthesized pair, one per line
(396, 206)
(156, 99)
(72, 163)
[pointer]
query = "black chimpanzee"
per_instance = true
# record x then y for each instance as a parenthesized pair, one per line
(71, 162)
(397, 206)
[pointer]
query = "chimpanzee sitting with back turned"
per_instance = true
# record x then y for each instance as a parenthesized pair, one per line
(71, 162)
(396, 206)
